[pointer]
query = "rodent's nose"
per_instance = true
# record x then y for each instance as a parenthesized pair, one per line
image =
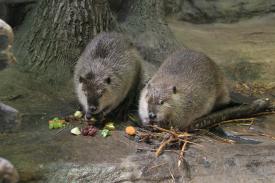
(93, 108)
(88, 115)
(152, 115)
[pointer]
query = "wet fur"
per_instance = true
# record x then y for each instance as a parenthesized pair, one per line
(199, 87)
(108, 55)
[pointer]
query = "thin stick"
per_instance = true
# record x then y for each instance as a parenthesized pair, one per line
(164, 130)
(221, 139)
(163, 145)
(153, 150)
(190, 142)
(172, 176)
(182, 153)
(264, 113)
(266, 135)
(156, 166)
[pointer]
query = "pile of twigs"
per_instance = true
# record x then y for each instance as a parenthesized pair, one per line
(167, 137)
(246, 114)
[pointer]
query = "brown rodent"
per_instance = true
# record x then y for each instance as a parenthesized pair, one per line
(187, 86)
(107, 73)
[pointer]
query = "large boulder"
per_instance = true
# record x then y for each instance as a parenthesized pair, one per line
(206, 11)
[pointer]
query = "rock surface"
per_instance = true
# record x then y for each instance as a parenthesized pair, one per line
(9, 118)
(8, 174)
(244, 49)
(6, 41)
(206, 11)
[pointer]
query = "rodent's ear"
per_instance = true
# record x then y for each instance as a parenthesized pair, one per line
(81, 79)
(108, 80)
(174, 89)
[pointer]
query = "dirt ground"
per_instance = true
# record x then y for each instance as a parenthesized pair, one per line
(245, 49)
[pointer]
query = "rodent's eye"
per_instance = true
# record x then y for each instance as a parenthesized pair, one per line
(108, 80)
(161, 102)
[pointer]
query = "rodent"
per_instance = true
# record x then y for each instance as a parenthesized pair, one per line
(107, 73)
(187, 86)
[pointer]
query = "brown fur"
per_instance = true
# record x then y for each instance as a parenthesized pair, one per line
(107, 73)
(187, 86)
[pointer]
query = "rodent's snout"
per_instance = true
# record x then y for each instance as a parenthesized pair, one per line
(152, 116)
(88, 115)
(90, 112)
(93, 108)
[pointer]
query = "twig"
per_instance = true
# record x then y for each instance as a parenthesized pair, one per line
(264, 113)
(156, 166)
(187, 141)
(229, 141)
(154, 150)
(266, 135)
(173, 178)
(164, 130)
(182, 153)
(163, 145)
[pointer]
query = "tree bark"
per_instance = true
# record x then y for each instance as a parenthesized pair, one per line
(145, 21)
(56, 32)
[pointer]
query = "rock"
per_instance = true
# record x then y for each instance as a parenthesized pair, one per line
(9, 119)
(212, 163)
(207, 11)
(6, 35)
(8, 173)
(6, 41)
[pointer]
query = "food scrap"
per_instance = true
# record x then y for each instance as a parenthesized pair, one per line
(130, 130)
(76, 131)
(78, 114)
(110, 126)
(89, 131)
(105, 133)
(56, 123)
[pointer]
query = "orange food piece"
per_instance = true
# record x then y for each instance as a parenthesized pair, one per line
(130, 130)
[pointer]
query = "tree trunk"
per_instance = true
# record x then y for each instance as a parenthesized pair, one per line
(56, 32)
(3, 11)
(144, 20)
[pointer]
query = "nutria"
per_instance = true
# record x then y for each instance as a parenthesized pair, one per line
(187, 86)
(107, 73)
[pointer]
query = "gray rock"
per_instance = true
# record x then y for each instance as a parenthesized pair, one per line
(8, 173)
(206, 11)
(6, 41)
(9, 119)
(213, 163)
